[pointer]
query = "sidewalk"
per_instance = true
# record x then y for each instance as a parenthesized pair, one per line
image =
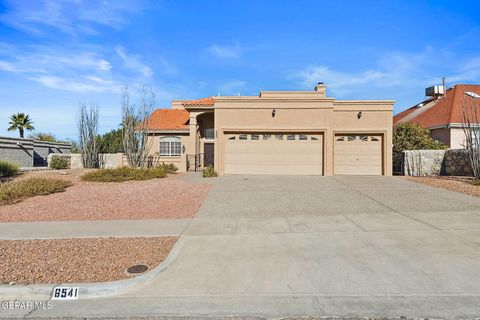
(92, 229)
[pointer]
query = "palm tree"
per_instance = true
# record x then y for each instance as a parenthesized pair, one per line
(20, 122)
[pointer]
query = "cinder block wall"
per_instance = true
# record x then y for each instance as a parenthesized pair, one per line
(18, 151)
(29, 152)
(42, 149)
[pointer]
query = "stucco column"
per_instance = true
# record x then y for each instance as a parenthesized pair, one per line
(191, 146)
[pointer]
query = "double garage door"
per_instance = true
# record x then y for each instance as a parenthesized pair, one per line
(300, 153)
(274, 153)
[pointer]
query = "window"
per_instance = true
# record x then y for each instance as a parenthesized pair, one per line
(314, 138)
(242, 137)
(302, 137)
(290, 136)
(209, 133)
(374, 139)
(351, 138)
(341, 139)
(363, 138)
(267, 136)
(170, 146)
(279, 136)
(254, 136)
(232, 138)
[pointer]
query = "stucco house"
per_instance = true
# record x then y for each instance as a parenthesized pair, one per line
(442, 113)
(276, 132)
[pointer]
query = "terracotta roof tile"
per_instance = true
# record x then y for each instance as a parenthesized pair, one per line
(200, 102)
(169, 119)
(445, 111)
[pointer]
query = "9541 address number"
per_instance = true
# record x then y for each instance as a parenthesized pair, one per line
(65, 293)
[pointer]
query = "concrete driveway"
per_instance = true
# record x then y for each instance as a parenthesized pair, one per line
(318, 246)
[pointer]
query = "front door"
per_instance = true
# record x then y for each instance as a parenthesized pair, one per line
(208, 151)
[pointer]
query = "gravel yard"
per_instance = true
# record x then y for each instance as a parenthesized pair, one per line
(169, 197)
(458, 184)
(78, 260)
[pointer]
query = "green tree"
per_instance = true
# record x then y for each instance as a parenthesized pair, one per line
(20, 122)
(111, 142)
(74, 144)
(43, 137)
(412, 136)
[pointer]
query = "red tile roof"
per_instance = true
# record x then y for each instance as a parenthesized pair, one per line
(200, 102)
(445, 111)
(169, 119)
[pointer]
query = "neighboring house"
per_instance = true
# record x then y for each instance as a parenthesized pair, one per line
(276, 132)
(29, 152)
(442, 113)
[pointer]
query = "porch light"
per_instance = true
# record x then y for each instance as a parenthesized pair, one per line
(273, 113)
(183, 149)
(359, 115)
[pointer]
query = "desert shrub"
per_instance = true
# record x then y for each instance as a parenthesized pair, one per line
(412, 136)
(209, 172)
(124, 174)
(169, 168)
(16, 191)
(59, 163)
(8, 169)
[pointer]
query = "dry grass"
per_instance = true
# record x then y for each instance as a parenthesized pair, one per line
(78, 260)
(16, 191)
(168, 198)
(8, 169)
(125, 174)
(467, 185)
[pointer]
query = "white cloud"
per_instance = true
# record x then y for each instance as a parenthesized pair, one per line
(226, 51)
(64, 69)
(394, 73)
(7, 66)
(232, 87)
(87, 84)
(133, 62)
(68, 16)
(75, 69)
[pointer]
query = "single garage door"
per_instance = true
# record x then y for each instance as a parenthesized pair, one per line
(358, 154)
(274, 153)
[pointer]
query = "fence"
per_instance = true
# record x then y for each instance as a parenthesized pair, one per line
(452, 162)
(117, 160)
(195, 162)
(29, 152)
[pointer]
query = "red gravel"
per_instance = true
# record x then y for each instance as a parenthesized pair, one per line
(170, 197)
(458, 184)
(78, 260)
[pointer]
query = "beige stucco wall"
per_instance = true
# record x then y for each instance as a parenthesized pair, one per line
(457, 138)
(302, 112)
(180, 161)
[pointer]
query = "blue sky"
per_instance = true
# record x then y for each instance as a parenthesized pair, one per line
(56, 54)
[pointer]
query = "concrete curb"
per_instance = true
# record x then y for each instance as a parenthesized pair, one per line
(88, 290)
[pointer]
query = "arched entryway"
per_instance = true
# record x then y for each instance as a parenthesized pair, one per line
(206, 138)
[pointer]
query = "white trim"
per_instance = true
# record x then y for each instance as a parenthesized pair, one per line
(171, 146)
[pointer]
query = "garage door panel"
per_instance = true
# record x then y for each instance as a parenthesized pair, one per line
(358, 155)
(299, 170)
(272, 154)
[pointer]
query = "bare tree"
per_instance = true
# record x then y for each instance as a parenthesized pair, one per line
(88, 131)
(471, 130)
(135, 127)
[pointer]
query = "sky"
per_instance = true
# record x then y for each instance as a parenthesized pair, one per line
(58, 54)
